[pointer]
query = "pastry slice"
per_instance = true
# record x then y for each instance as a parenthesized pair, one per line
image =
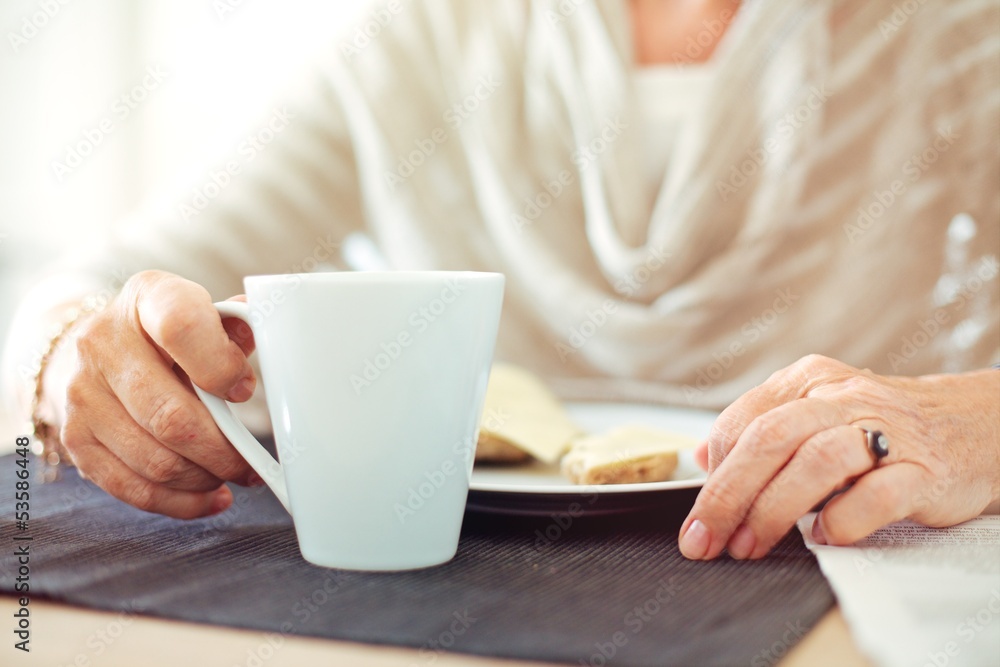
(625, 455)
(521, 414)
(491, 449)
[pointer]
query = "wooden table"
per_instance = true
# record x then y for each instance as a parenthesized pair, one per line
(63, 636)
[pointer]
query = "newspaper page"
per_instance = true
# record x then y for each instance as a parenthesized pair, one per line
(918, 596)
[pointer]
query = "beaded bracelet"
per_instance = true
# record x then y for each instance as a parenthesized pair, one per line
(45, 433)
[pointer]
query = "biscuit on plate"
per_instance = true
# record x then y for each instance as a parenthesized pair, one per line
(521, 413)
(625, 455)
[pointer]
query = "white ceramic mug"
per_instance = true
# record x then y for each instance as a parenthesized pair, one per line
(375, 384)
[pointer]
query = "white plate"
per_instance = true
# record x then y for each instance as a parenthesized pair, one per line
(537, 488)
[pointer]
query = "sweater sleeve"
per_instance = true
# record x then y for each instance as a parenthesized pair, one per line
(282, 202)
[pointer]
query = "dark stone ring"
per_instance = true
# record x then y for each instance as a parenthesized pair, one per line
(877, 443)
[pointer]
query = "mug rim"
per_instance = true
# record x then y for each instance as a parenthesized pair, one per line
(377, 276)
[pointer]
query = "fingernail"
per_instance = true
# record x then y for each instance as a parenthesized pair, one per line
(817, 532)
(742, 543)
(694, 543)
(242, 391)
(223, 499)
(255, 480)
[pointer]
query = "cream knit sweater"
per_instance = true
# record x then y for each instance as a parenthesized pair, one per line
(838, 192)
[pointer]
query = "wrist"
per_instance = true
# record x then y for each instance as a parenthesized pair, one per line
(52, 374)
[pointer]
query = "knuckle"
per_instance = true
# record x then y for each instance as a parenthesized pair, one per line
(837, 531)
(90, 336)
(724, 433)
(887, 498)
(723, 498)
(766, 432)
(814, 362)
(768, 527)
(165, 466)
(223, 373)
(77, 395)
(138, 493)
(810, 372)
(240, 332)
(231, 467)
(144, 282)
(73, 435)
(717, 439)
(176, 328)
(146, 277)
(172, 421)
(863, 384)
(717, 451)
(831, 454)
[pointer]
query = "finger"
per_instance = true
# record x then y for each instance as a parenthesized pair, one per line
(824, 463)
(238, 330)
(112, 425)
(877, 498)
(157, 400)
(762, 450)
(178, 315)
(781, 387)
(733, 421)
(701, 455)
(111, 474)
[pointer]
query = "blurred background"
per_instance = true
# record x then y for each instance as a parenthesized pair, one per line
(110, 102)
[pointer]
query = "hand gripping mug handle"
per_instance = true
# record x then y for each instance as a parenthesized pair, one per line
(244, 442)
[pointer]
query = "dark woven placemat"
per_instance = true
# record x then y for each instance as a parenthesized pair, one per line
(564, 589)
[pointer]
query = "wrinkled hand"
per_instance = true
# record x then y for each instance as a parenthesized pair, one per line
(129, 419)
(786, 445)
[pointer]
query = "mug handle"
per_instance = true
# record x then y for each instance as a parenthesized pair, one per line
(244, 442)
